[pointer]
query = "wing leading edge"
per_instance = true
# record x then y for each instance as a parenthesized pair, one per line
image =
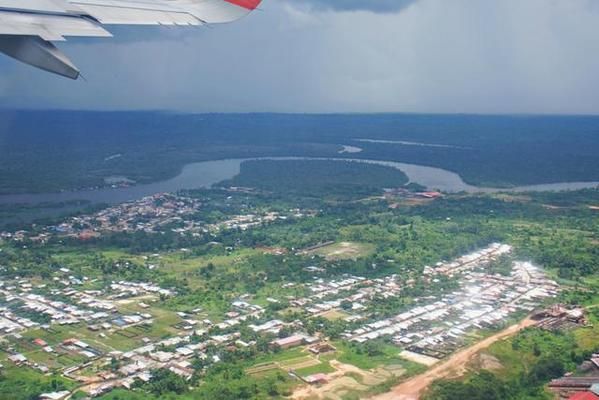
(28, 27)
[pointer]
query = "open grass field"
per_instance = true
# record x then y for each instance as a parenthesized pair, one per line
(260, 369)
(350, 372)
(180, 263)
(348, 354)
(334, 315)
(344, 251)
(300, 363)
(321, 368)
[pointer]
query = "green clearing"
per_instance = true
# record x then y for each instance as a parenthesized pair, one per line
(284, 355)
(180, 263)
(370, 356)
(334, 315)
(345, 251)
(323, 368)
(25, 383)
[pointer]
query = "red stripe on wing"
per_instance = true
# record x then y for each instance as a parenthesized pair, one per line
(249, 4)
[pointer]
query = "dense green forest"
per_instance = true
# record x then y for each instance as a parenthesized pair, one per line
(317, 178)
(51, 151)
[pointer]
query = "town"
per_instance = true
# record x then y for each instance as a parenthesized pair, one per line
(297, 298)
(152, 214)
(114, 336)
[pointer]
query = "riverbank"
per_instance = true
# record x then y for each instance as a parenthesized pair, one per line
(208, 173)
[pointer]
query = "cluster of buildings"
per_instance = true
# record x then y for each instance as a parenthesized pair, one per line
(71, 304)
(157, 213)
(432, 326)
(398, 196)
(560, 317)
(123, 289)
(100, 370)
(148, 214)
(248, 221)
(581, 385)
(438, 324)
(198, 339)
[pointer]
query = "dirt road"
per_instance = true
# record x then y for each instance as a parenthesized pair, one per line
(455, 365)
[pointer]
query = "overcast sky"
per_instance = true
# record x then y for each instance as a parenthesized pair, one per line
(466, 56)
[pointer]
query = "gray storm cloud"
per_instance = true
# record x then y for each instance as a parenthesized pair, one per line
(379, 6)
(497, 56)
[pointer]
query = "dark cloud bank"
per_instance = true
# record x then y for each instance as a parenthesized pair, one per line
(492, 56)
(378, 6)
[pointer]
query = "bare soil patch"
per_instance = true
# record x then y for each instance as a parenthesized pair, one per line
(419, 358)
(488, 362)
(347, 379)
(454, 366)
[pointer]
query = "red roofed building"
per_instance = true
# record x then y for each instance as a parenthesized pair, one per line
(317, 379)
(291, 341)
(584, 396)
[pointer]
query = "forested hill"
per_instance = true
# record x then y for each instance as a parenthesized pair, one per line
(45, 151)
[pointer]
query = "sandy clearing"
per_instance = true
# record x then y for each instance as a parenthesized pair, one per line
(342, 382)
(329, 391)
(419, 358)
(488, 362)
(134, 300)
(454, 366)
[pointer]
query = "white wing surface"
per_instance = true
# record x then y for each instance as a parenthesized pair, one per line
(27, 27)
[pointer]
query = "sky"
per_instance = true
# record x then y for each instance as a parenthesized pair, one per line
(447, 56)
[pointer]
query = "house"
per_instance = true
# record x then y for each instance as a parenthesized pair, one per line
(571, 385)
(288, 342)
(317, 379)
(18, 358)
(322, 348)
(54, 395)
(583, 396)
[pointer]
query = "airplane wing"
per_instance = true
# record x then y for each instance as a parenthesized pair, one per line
(28, 27)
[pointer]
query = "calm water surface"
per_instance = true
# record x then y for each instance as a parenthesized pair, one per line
(207, 173)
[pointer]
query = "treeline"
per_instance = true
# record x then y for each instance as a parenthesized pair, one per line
(77, 149)
(318, 178)
(559, 238)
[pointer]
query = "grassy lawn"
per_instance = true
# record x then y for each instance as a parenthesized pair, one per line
(349, 354)
(284, 355)
(178, 263)
(324, 368)
(28, 383)
(518, 354)
(334, 315)
(586, 337)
